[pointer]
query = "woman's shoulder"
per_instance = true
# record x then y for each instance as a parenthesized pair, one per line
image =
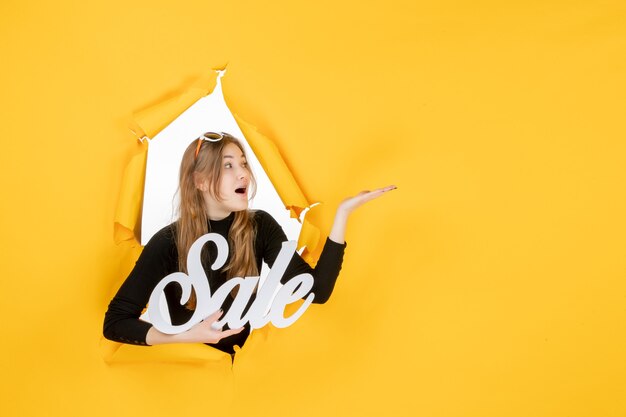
(267, 227)
(260, 214)
(263, 219)
(164, 238)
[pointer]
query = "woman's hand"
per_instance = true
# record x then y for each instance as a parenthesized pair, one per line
(347, 206)
(202, 332)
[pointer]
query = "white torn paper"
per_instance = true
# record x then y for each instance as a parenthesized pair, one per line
(165, 151)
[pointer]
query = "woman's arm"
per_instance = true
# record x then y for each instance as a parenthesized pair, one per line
(200, 333)
(121, 322)
(347, 206)
(329, 264)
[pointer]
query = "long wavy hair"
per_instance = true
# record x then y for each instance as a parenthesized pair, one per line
(194, 222)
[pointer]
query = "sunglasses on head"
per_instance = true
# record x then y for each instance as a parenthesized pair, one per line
(209, 136)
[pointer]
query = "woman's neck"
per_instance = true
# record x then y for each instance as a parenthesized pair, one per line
(219, 216)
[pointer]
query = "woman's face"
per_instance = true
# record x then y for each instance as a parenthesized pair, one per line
(233, 186)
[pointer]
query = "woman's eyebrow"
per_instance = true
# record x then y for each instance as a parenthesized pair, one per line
(230, 156)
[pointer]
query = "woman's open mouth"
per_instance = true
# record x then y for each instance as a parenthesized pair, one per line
(241, 190)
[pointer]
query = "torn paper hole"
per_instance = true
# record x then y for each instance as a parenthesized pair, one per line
(165, 151)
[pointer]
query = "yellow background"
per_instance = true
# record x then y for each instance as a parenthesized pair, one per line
(491, 283)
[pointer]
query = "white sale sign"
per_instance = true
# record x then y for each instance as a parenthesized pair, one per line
(265, 308)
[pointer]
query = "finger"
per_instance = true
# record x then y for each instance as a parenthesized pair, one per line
(229, 332)
(215, 316)
(379, 191)
(385, 189)
(371, 195)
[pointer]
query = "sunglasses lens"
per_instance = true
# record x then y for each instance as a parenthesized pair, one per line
(213, 137)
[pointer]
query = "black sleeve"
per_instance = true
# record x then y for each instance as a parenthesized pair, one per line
(157, 260)
(270, 237)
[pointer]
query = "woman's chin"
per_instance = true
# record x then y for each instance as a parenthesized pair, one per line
(241, 207)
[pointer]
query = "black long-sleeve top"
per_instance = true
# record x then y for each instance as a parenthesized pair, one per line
(159, 258)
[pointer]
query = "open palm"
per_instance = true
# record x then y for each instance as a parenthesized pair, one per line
(349, 204)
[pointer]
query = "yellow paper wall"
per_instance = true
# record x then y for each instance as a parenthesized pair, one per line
(491, 283)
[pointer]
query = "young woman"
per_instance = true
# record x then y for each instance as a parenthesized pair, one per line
(215, 185)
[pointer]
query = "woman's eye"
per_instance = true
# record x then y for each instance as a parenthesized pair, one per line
(245, 165)
(228, 165)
